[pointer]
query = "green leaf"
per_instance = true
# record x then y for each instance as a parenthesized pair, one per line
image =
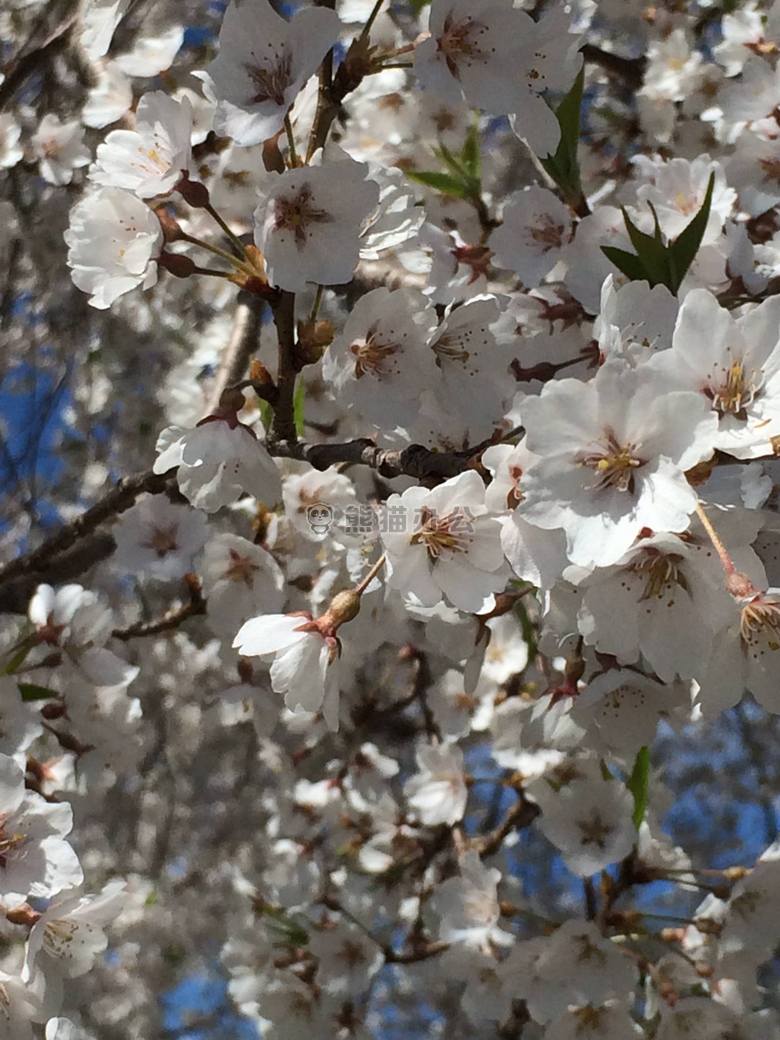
(685, 247)
(470, 156)
(651, 251)
(18, 655)
(638, 784)
(443, 182)
(417, 5)
(266, 413)
(656, 261)
(563, 166)
(528, 627)
(628, 263)
(452, 161)
(33, 692)
(283, 927)
(298, 407)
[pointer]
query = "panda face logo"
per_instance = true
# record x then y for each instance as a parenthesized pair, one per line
(319, 517)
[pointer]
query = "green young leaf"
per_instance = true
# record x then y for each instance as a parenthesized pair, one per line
(417, 5)
(651, 250)
(266, 413)
(444, 182)
(638, 784)
(451, 161)
(298, 407)
(17, 657)
(284, 928)
(528, 627)
(470, 156)
(33, 692)
(683, 250)
(563, 166)
(630, 264)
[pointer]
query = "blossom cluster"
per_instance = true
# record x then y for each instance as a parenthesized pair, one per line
(449, 370)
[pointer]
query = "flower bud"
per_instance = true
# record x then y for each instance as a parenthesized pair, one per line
(23, 914)
(177, 264)
(171, 228)
(313, 338)
(344, 607)
(740, 586)
(194, 193)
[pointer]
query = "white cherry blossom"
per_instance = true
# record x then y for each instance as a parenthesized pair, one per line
(216, 462)
(308, 222)
(100, 19)
(262, 64)
(380, 363)
(734, 364)
(660, 600)
(305, 663)
(150, 159)
(589, 821)
(35, 860)
(69, 935)
(610, 463)
(18, 723)
(536, 227)
(19, 1008)
(745, 656)
(113, 242)
(11, 151)
(348, 959)
(152, 55)
(76, 621)
(438, 793)
(60, 148)
(109, 99)
(239, 579)
(159, 538)
(610, 1021)
(576, 966)
(442, 543)
(467, 905)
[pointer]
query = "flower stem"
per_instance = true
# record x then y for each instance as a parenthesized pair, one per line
(366, 581)
(236, 241)
(293, 160)
(218, 251)
(212, 271)
(714, 537)
(315, 307)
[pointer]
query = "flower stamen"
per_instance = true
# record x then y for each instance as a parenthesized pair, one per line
(737, 391)
(438, 534)
(614, 464)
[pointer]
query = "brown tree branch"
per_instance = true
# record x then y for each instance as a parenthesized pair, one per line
(49, 562)
(412, 461)
(116, 501)
(283, 427)
(630, 70)
(522, 814)
(194, 607)
(30, 60)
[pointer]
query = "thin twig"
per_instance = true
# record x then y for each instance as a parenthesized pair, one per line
(194, 607)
